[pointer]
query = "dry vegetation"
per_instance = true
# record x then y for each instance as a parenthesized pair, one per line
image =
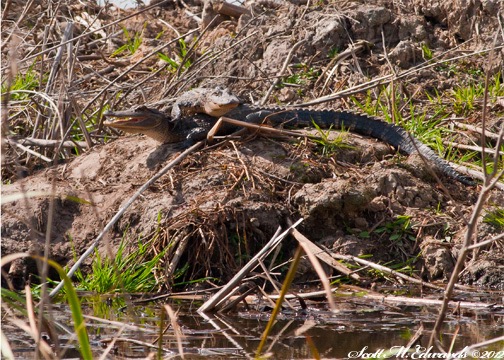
(69, 183)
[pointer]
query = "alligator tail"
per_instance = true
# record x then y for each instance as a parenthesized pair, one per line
(368, 126)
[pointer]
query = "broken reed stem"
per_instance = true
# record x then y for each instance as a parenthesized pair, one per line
(212, 303)
(121, 211)
(318, 269)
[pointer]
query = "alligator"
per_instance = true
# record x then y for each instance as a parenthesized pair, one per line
(188, 130)
(211, 101)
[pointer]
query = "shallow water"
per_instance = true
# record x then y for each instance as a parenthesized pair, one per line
(360, 328)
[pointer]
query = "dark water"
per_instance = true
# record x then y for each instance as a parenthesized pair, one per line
(359, 329)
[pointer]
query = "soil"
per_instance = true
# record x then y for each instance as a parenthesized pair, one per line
(228, 199)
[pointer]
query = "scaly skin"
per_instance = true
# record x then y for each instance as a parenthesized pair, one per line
(187, 130)
(212, 101)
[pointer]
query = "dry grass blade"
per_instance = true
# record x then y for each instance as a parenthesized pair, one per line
(318, 269)
(176, 329)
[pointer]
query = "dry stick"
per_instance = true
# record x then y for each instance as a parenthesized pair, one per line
(251, 265)
(116, 217)
(306, 245)
(28, 150)
(476, 129)
(474, 148)
(388, 271)
(282, 71)
(486, 242)
(375, 82)
(260, 128)
(337, 60)
(153, 52)
(389, 299)
(170, 269)
(425, 302)
(95, 30)
(473, 222)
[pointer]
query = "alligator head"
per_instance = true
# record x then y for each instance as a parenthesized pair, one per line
(144, 120)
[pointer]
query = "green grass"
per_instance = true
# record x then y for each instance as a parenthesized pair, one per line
(176, 63)
(495, 218)
(427, 53)
(427, 122)
(30, 80)
(397, 230)
(132, 44)
(131, 273)
(303, 76)
(327, 145)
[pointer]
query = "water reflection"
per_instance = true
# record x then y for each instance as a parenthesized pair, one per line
(359, 325)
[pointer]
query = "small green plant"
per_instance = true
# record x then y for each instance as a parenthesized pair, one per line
(176, 63)
(132, 43)
(400, 237)
(466, 97)
(303, 76)
(125, 273)
(327, 145)
(333, 52)
(426, 52)
(26, 81)
(495, 218)
(398, 230)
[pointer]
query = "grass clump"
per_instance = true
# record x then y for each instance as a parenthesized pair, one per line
(30, 80)
(131, 273)
(327, 145)
(132, 44)
(495, 218)
(181, 60)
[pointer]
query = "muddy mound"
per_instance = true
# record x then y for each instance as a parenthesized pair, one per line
(221, 204)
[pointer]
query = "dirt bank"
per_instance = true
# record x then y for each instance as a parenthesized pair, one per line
(227, 200)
